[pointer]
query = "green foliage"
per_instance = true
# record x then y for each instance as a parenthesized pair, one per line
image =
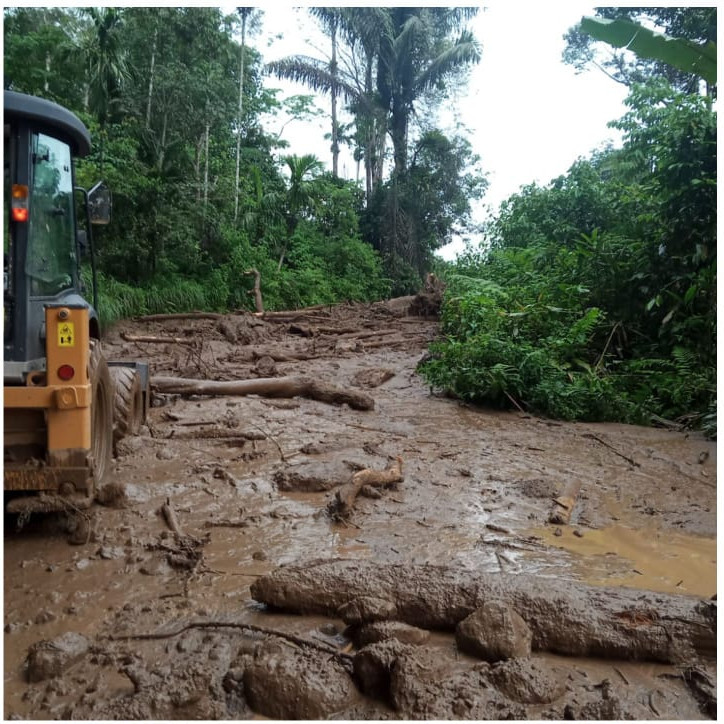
(159, 89)
(508, 342)
(595, 297)
(693, 30)
(680, 53)
(117, 300)
(423, 208)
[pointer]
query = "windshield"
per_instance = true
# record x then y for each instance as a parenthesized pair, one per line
(51, 259)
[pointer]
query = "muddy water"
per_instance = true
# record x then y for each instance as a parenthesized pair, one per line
(652, 559)
(477, 490)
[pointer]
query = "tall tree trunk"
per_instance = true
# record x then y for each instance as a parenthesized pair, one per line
(206, 165)
(335, 128)
(150, 77)
(369, 134)
(46, 85)
(197, 167)
(399, 136)
(238, 123)
(162, 150)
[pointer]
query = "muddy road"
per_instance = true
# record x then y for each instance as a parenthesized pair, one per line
(143, 609)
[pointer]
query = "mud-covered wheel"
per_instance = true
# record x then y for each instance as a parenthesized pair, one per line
(101, 414)
(127, 402)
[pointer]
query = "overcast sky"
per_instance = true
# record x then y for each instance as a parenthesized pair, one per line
(529, 115)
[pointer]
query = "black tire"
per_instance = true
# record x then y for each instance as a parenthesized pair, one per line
(127, 402)
(101, 415)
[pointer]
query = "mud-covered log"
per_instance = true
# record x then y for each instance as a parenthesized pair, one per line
(178, 315)
(152, 339)
(256, 291)
(563, 504)
(259, 352)
(266, 387)
(344, 498)
(566, 618)
(169, 515)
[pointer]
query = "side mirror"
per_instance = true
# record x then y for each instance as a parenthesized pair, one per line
(99, 204)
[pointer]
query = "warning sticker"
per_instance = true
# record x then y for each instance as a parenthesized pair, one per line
(66, 334)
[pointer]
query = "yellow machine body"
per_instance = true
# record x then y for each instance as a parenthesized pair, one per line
(52, 411)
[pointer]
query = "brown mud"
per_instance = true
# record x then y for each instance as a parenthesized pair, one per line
(150, 614)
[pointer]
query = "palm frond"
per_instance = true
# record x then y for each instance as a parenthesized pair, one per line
(313, 73)
(466, 51)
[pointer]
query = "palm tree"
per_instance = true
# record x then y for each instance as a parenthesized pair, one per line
(102, 53)
(299, 196)
(330, 19)
(415, 58)
(245, 15)
(403, 54)
(285, 209)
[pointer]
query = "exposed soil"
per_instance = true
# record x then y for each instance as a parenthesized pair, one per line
(142, 608)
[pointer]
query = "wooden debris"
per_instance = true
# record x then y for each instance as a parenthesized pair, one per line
(256, 291)
(341, 505)
(629, 460)
(150, 339)
(563, 505)
(572, 618)
(183, 315)
(298, 640)
(169, 515)
(266, 387)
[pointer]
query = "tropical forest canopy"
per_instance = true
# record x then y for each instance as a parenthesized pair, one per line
(592, 297)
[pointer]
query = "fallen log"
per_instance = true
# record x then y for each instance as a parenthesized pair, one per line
(260, 352)
(169, 515)
(266, 387)
(150, 339)
(342, 503)
(629, 460)
(300, 311)
(178, 315)
(417, 338)
(573, 619)
(563, 505)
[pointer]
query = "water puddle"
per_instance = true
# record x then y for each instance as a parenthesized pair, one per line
(651, 558)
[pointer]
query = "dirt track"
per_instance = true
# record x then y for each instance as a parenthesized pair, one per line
(250, 482)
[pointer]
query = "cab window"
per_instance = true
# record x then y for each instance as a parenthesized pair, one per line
(51, 255)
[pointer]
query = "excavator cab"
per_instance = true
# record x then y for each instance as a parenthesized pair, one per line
(63, 403)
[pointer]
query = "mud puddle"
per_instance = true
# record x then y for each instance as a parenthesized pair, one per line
(651, 559)
(476, 494)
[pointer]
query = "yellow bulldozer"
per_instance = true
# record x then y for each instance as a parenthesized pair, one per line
(64, 403)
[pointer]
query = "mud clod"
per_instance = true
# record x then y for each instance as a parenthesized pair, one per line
(313, 477)
(386, 630)
(372, 378)
(305, 685)
(373, 666)
(494, 632)
(528, 682)
(366, 608)
(112, 495)
(48, 659)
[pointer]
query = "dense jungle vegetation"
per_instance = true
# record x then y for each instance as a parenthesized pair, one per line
(592, 297)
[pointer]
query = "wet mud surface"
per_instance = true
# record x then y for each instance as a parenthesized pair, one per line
(138, 621)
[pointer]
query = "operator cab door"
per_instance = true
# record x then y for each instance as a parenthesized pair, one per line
(40, 245)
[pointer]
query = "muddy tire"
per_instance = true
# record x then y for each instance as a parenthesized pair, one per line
(101, 415)
(127, 402)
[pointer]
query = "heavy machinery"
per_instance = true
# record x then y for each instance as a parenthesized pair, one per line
(64, 403)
